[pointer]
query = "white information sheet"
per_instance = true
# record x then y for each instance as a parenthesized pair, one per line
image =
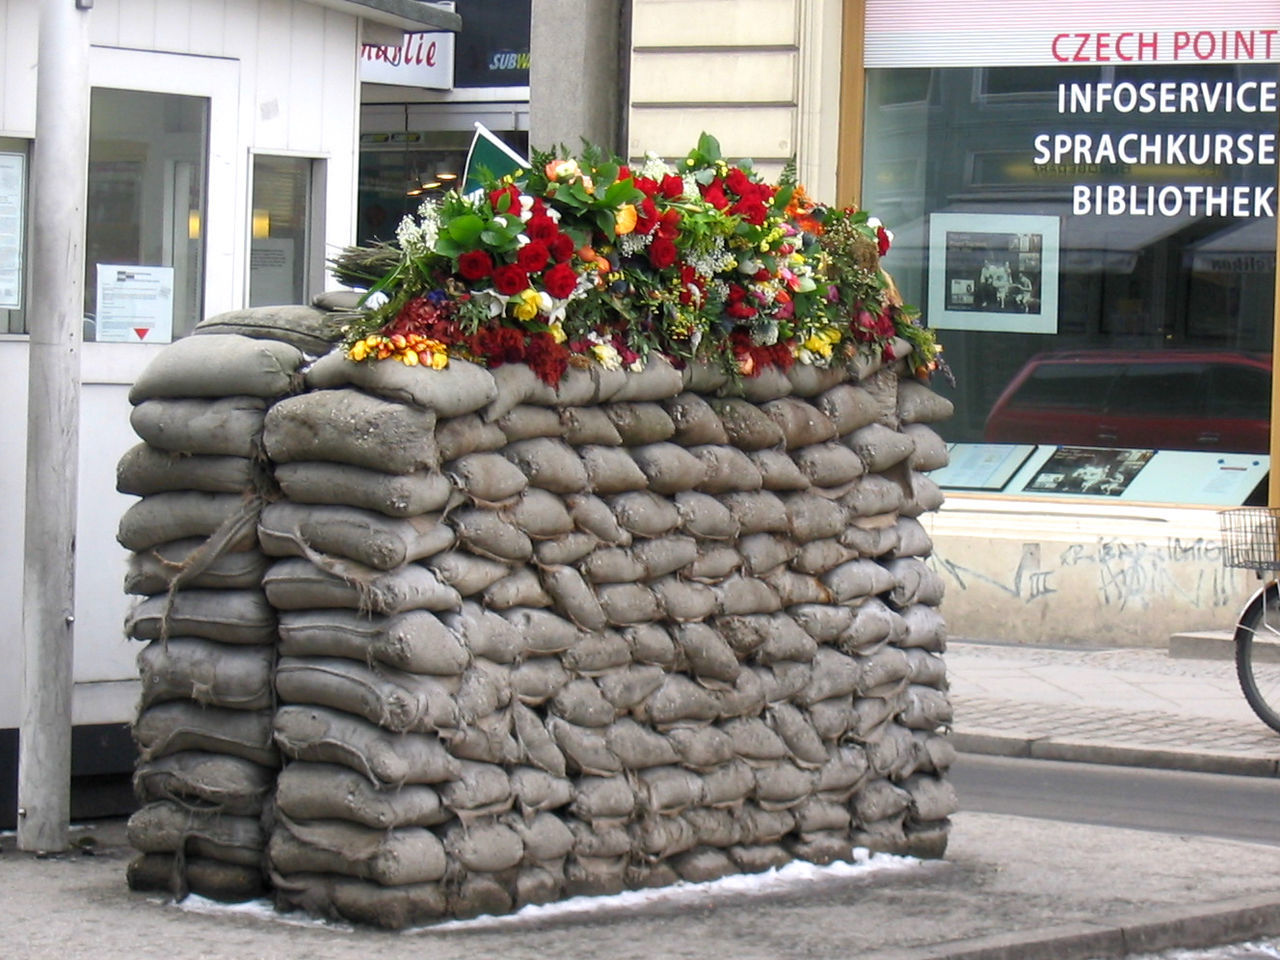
(13, 189)
(135, 304)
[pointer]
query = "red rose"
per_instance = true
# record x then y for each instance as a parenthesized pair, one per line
(560, 280)
(475, 265)
(714, 195)
(645, 185)
(646, 216)
(541, 228)
(624, 172)
(662, 252)
(882, 240)
(562, 247)
(671, 187)
(739, 182)
(511, 192)
(669, 224)
(533, 256)
(509, 279)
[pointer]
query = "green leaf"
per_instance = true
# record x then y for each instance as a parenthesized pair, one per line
(446, 247)
(606, 222)
(709, 147)
(623, 191)
(606, 173)
(466, 229)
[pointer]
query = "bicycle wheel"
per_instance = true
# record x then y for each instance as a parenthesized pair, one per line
(1258, 656)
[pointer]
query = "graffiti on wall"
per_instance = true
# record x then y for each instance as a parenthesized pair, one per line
(1130, 574)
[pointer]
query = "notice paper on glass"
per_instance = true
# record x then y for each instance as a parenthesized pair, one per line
(135, 304)
(13, 189)
(981, 466)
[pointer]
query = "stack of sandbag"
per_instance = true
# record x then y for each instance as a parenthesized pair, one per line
(648, 627)
(207, 763)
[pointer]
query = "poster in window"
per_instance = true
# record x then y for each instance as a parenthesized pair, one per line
(993, 272)
(1098, 471)
(13, 188)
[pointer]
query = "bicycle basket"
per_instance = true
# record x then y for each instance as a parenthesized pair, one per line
(1251, 537)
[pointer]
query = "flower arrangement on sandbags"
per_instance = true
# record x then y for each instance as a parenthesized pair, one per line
(587, 260)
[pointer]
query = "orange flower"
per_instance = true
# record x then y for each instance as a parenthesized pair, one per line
(625, 219)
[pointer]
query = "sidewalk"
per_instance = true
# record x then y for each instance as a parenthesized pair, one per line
(1135, 707)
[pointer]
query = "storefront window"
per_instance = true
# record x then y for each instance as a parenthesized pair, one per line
(281, 229)
(146, 208)
(14, 181)
(1095, 245)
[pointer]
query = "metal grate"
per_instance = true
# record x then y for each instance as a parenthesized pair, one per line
(1251, 537)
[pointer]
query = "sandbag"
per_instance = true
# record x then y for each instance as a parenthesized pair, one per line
(669, 468)
(466, 573)
(167, 827)
(522, 588)
(393, 700)
(541, 515)
(404, 495)
(597, 653)
(611, 470)
(705, 517)
(164, 517)
(347, 426)
(728, 469)
(549, 464)
(312, 329)
(221, 675)
(778, 471)
(212, 782)
(416, 641)
(802, 424)
(848, 407)
(829, 464)
(390, 857)
(325, 791)
(179, 875)
(657, 380)
(588, 425)
(180, 725)
(486, 533)
(219, 366)
(228, 616)
(359, 901)
(145, 470)
(879, 447)
(458, 436)
(644, 514)
(918, 404)
(155, 570)
(746, 425)
(526, 421)
(694, 420)
(225, 427)
(459, 388)
(640, 423)
(293, 530)
(297, 584)
(929, 450)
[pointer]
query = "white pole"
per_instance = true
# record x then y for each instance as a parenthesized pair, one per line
(59, 183)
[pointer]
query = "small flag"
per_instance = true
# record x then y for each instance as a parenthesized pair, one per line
(490, 154)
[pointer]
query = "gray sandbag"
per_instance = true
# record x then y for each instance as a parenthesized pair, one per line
(705, 517)
(737, 595)
(878, 800)
(795, 588)
(626, 604)
(218, 366)
(167, 827)
(929, 450)
(603, 799)
(522, 588)
(459, 388)
(221, 675)
(821, 847)
(763, 385)
(481, 788)
(817, 814)
(926, 709)
(466, 573)
(829, 464)
(882, 385)
(727, 785)
(536, 744)
(164, 517)
(538, 679)
(228, 616)
(925, 628)
(393, 700)
(778, 471)
(683, 601)
(802, 424)
(872, 536)
(640, 423)
(212, 782)
(178, 875)
(154, 570)
(746, 698)
(701, 748)
(180, 725)
(918, 404)
(540, 514)
(878, 447)
(848, 407)
(585, 749)
(596, 876)
(597, 653)
(574, 597)
(704, 377)
(145, 470)
(387, 759)
(480, 894)
(762, 552)
(391, 857)
(754, 741)
(856, 579)
(695, 422)
(311, 329)
(811, 517)
(644, 514)
(526, 421)
(612, 565)
(923, 495)
(747, 426)
(915, 582)
(728, 469)
(745, 634)
(515, 384)
(592, 515)
(483, 633)
(549, 464)
(225, 427)
(873, 495)
(760, 825)
(416, 641)
(933, 753)
(802, 740)
(581, 703)
(637, 747)
(484, 690)
(873, 624)
(808, 380)
(543, 632)
(913, 540)
(293, 530)
(783, 680)
(823, 622)
(669, 468)
(757, 511)
(714, 564)
(661, 837)
(678, 700)
(545, 837)
(588, 425)
(760, 857)
(664, 555)
(348, 426)
(884, 672)
(892, 752)
(650, 643)
(818, 556)
(325, 791)
(706, 653)
(537, 790)
(781, 784)
(297, 584)
(359, 901)
(458, 436)
(844, 771)
(657, 380)
(785, 641)
(486, 533)
(403, 495)
(626, 687)
(926, 668)
(668, 790)
(835, 718)
(611, 470)
(834, 675)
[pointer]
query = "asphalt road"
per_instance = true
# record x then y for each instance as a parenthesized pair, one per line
(1196, 804)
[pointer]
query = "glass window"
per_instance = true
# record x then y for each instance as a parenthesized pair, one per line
(15, 176)
(1161, 336)
(148, 164)
(280, 258)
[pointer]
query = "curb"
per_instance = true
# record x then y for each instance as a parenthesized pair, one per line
(1092, 751)
(1196, 926)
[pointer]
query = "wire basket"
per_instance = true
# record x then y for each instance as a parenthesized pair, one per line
(1251, 537)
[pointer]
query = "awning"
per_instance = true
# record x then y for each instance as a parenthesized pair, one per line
(409, 15)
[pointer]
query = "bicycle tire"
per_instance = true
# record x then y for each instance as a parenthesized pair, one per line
(1258, 656)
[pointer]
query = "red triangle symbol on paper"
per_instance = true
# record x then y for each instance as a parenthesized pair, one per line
(142, 332)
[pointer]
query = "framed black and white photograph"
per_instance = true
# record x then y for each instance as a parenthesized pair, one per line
(993, 272)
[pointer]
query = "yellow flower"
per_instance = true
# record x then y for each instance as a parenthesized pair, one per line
(408, 358)
(526, 307)
(358, 351)
(625, 221)
(557, 331)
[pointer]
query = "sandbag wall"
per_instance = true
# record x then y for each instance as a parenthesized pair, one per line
(208, 763)
(648, 627)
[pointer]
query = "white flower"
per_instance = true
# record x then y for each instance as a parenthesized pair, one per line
(654, 167)
(375, 300)
(411, 238)
(526, 207)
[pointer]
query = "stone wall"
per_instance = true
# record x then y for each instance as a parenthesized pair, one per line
(440, 643)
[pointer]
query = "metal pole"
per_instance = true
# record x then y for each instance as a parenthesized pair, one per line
(59, 183)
